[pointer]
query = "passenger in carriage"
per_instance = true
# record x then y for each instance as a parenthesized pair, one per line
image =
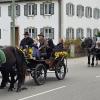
(60, 45)
(50, 48)
(42, 44)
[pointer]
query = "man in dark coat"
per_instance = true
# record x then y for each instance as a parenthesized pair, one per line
(27, 41)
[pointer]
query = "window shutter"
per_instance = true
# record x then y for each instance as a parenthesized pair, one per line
(67, 33)
(18, 10)
(35, 31)
(52, 8)
(35, 9)
(0, 33)
(42, 30)
(41, 9)
(0, 11)
(26, 10)
(9, 10)
(52, 31)
(25, 30)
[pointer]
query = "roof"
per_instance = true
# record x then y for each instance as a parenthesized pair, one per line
(6, 1)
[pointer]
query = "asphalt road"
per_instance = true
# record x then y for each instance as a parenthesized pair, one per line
(81, 83)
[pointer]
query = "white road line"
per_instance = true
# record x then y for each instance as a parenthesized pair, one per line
(42, 93)
(97, 76)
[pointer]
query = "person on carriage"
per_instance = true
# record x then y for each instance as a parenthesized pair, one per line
(50, 47)
(26, 41)
(60, 45)
(42, 44)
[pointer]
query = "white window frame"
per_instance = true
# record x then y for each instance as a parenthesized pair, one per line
(88, 12)
(47, 34)
(70, 33)
(31, 33)
(70, 9)
(48, 4)
(31, 10)
(79, 33)
(89, 32)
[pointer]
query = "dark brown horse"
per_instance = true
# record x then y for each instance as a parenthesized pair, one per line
(14, 65)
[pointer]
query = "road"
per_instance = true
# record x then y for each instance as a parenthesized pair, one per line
(81, 83)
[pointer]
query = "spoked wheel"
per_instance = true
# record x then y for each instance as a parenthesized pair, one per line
(60, 70)
(40, 74)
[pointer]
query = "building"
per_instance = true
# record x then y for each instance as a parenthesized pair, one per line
(69, 19)
(80, 18)
(34, 16)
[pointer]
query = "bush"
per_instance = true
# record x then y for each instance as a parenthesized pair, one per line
(78, 50)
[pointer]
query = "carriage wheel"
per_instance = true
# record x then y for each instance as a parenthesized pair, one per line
(60, 70)
(40, 74)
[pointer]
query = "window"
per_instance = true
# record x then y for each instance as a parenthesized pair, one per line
(47, 8)
(95, 31)
(96, 13)
(80, 11)
(89, 32)
(48, 32)
(70, 9)
(17, 10)
(88, 12)
(79, 33)
(70, 33)
(32, 32)
(30, 9)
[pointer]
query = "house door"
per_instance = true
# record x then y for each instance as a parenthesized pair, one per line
(17, 36)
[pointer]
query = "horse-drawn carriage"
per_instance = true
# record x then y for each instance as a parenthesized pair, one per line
(38, 67)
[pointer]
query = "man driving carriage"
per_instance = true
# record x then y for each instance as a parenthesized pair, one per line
(26, 41)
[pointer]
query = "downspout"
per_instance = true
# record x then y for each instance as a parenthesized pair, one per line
(59, 19)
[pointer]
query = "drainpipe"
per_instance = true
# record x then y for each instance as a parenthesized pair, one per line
(59, 3)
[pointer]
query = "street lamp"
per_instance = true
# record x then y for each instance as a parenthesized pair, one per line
(13, 23)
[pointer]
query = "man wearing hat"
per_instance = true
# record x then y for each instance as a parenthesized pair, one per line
(26, 41)
(42, 43)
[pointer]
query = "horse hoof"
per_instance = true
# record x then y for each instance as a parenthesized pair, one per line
(10, 89)
(88, 65)
(18, 90)
(92, 65)
(24, 88)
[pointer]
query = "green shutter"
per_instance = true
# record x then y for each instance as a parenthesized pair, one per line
(26, 10)
(52, 31)
(35, 31)
(25, 30)
(9, 10)
(42, 30)
(41, 9)
(52, 8)
(18, 10)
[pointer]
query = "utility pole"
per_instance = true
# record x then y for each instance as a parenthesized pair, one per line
(13, 23)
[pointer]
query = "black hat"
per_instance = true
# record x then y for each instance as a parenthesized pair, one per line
(41, 34)
(26, 33)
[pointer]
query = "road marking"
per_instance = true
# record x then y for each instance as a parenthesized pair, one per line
(42, 93)
(97, 76)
